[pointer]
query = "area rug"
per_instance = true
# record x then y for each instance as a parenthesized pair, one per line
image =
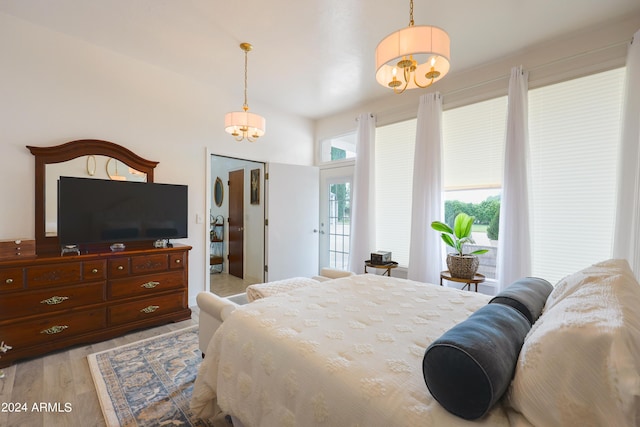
(149, 382)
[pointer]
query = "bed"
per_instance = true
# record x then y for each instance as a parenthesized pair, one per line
(350, 352)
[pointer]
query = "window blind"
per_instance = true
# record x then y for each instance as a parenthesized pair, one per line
(473, 145)
(574, 134)
(395, 146)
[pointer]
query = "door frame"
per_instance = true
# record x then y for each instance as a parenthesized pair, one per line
(208, 197)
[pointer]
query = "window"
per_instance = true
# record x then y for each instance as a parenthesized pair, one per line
(338, 148)
(394, 182)
(484, 206)
(473, 145)
(473, 152)
(473, 141)
(574, 134)
(339, 224)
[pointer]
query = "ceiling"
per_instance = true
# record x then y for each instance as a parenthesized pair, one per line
(312, 58)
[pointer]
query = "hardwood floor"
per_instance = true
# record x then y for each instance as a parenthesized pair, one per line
(60, 379)
(63, 378)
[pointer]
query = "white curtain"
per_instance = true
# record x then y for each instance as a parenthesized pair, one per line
(514, 243)
(626, 239)
(363, 195)
(425, 249)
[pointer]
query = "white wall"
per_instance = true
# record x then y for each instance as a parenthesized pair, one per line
(54, 89)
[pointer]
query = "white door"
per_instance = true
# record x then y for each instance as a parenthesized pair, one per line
(292, 214)
(335, 223)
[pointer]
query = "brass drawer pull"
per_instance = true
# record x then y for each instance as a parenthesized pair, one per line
(54, 300)
(178, 261)
(150, 309)
(8, 281)
(94, 271)
(54, 329)
(120, 267)
(150, 285)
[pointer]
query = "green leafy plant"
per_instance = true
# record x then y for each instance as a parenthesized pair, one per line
(493, 231)
(459, 235)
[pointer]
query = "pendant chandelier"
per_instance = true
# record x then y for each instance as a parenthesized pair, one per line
(243, 124)
(413, 57)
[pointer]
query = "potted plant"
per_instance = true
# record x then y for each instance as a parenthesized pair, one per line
(461, 265)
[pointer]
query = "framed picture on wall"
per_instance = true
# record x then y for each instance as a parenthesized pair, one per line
(255, 186)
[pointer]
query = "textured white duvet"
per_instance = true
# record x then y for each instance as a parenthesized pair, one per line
(342, 353)
(264, 290)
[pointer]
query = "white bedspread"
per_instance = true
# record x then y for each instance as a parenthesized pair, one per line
(343, 353)
(263, 290)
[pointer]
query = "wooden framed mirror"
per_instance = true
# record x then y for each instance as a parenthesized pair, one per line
(49, 242)
(218, 192)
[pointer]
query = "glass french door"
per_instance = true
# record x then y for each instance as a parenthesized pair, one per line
(335, 216)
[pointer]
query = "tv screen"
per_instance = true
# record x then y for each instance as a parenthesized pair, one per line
(103, 211)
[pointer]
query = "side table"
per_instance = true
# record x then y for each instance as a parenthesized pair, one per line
(478, 278)
(386, 267)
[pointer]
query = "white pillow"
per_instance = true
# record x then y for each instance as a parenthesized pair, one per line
(580, 363)
(597, 274)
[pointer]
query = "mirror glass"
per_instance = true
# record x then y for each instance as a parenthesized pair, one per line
(119, 171)
(81, 167)
(218, 192)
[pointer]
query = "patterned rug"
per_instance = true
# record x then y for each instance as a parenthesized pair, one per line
(149, 382)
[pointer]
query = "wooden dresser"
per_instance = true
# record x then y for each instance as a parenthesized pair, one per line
(52, 302)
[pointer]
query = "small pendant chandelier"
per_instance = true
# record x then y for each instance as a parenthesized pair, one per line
(413, 57)
(243, 124)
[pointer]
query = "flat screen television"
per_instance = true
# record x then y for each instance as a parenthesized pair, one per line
(103, 211)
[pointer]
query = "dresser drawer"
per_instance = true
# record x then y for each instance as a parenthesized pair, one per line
(94, 270)
(178, 261)
(149, 263)
(145, 285)
(49, 301)
(54, 274)
(11, 279)
(119, 267)
(147, 308)
(54, 328)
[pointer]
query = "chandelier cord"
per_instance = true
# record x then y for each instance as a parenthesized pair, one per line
(411, 13)
(245, 106)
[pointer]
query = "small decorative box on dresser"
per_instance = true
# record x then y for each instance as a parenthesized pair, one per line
(52, 302)
(18, 248)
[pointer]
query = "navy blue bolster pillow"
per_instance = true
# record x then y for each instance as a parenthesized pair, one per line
(527, 295)
(471, 365)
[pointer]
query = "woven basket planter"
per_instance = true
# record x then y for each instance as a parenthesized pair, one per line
(463, 267)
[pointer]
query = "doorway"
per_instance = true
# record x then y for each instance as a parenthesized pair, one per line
(243, 245)
(289, 237)
(336, 184)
